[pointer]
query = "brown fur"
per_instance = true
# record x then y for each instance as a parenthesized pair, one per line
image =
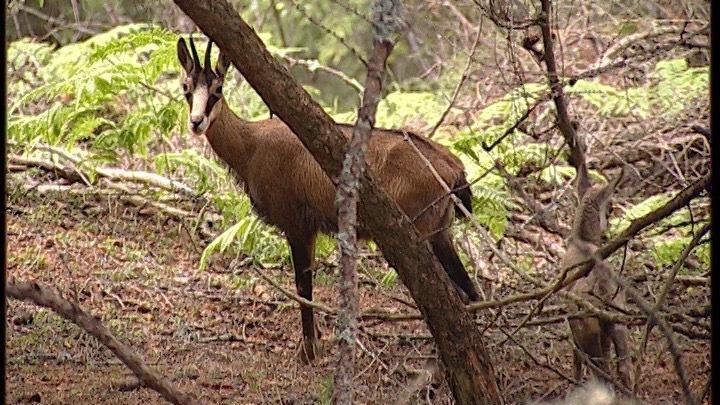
(288, 189)
(592, 335)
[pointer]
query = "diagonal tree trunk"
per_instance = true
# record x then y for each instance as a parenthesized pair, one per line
(469, 371)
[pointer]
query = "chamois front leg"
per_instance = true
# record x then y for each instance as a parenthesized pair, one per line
(303, 258)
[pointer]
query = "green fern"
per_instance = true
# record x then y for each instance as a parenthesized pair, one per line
(96, 75)
(389, 279)
(617, 225)
(666, 252)
(398, 108)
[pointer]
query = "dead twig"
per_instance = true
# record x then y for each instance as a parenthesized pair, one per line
(667, 332)
(313, 65)
(109, 172)
(577, 150)
(300, 300)
(663, 295)
(535, 360)
(460, 83)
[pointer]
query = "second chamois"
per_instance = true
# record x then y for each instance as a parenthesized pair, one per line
(592, 335)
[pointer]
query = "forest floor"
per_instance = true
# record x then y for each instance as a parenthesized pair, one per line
(226, 335)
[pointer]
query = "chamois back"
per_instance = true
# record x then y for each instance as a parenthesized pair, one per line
(291, 191)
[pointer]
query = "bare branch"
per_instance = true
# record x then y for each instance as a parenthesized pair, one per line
(577, 150)
(109, 172)
(666, 330)
(663, 295)
(460, 83)
(386, 15)
(313, 65)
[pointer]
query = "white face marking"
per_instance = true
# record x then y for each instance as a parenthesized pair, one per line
(197, 112)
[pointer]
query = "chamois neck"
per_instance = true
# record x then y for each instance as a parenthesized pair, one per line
(231, 138)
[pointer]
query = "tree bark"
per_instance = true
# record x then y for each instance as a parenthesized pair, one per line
(577, 149)
(469, 371)
(347, 198)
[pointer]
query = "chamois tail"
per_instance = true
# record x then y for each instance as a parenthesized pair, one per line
(461, 189)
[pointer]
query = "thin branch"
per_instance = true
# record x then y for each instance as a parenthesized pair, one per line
(577, 152)
(387, 15)
(516, 125)
(666, 330)
(541, 214)
(663, 295)
(631, 39)
(71, 174)
(329, 32)
(149, 178)
(313, 65)
(58, 22)
(680, 200)
(300, 300)
(460, 83)
(278, 21)
(535, 360)
(162, 92)
(505, 23)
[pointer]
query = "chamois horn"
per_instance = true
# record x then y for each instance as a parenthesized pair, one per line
(196, 58)
(208, 65)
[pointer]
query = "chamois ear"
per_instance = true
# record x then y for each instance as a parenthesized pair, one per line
(582, 179)
(222, 65)
(609, 189)
(184, 56)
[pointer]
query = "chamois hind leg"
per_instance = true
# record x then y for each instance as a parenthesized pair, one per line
(445, 251)
(618, 333)
(586, 335)
(303, 258)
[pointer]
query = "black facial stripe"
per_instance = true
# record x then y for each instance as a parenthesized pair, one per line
(211, 103)
(188, 97)
(209, 75)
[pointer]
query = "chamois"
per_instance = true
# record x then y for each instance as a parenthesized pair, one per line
(288, 188)
(591, 334)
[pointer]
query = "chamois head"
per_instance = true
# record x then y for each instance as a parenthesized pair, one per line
(202, 85)
(591, 219)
